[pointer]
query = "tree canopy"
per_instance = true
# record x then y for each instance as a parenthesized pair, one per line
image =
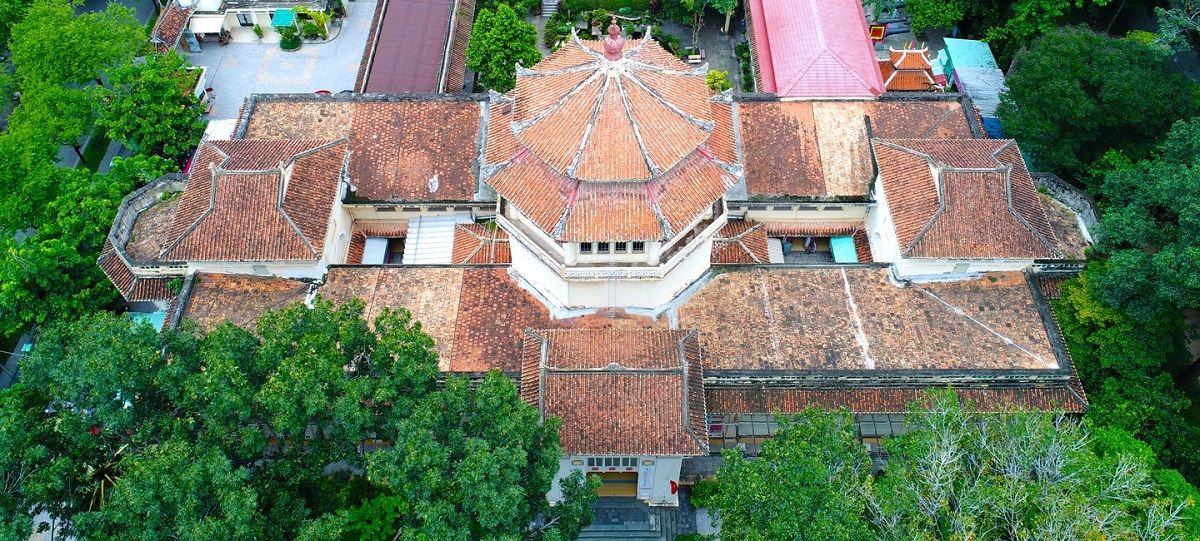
(1150, 229)
(152, 106)
(954, 474)
(499, 40)
(231, 434)
(54, 45)
(1076, 94)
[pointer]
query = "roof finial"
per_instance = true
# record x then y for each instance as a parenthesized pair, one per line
(614, 44)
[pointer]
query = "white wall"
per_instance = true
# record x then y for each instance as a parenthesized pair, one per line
(655, 475)
(881, 230)
(848, 213)
(951, 269)
(280, 269)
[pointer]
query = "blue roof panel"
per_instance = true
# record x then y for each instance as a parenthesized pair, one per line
(969, 53)
(843, 250)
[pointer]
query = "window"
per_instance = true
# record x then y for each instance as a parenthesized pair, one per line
(245, 19)
(602, 247)
(621, 247)
(585, 247)
(639, 247)
(833, 208)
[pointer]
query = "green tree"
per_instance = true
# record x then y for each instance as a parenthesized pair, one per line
(500, 40)
(726, 8)
(942, 14)
(1150, 229)
(1016, 475)
(53, 45)
(152, 107)
(1076, 94)
(173, 491)
(954, 474)
(229, 434)
(807, 483)
(60, 114)
(1123, 364)
(476, 464)
(53, 273)
(11, 13)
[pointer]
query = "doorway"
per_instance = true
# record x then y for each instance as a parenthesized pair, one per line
(618, 484)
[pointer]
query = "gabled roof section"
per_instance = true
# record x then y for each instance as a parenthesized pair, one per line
(908, 70)
(169, 28)
(252, 200)
(619, 392)
(814, 48)
(963, 198)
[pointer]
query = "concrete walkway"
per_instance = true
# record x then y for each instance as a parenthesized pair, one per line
(239, 69)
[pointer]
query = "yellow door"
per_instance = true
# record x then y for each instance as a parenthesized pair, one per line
(623, 484)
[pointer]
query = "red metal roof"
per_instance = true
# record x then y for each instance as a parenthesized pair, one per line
(408, 54)
(814, 48)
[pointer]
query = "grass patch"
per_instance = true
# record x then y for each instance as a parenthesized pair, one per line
(94, 153)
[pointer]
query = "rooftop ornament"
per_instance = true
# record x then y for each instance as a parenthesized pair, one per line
(614, 44)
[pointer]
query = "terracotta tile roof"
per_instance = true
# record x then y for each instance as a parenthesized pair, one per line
(856, 319)
(1051, 285)
(610, 120)
(152, 231)
(981, 204)
(918, 119)
(460, 37)
(493, 312)
(741, 242)
(814, 229)
(620, 392)
(909, 59)
(475, 244)
(813, 48)
(249, 213)
(501, 143)
(723, 142)
(150, 289)
(805, 149)
(909, 80)
(596, 211)
(115, 268)
(171, 23)
(430, 293)
(402, 148)
(475, 316)
(890, 400)
(414, 151)
(288, 119)
(362, 230)
(240, 299)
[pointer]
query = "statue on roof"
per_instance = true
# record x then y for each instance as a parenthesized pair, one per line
(614, 44)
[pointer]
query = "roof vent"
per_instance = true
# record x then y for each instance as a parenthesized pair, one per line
(614, 366)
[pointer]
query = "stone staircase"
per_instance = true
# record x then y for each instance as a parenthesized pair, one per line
(549, 7)
(630, 518)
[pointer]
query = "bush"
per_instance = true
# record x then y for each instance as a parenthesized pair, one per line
(599, 17)
(289, 40)
(718, 81)
(551, 36)
(310, 30)
(702, 492)
(579, 6)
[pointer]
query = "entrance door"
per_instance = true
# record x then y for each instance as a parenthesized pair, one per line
(618, 484)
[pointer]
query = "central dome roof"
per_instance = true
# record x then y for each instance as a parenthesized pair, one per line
(630, 118)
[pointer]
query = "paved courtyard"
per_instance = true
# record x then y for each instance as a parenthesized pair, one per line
(239, 69)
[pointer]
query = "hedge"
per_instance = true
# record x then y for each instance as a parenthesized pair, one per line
(575, 6)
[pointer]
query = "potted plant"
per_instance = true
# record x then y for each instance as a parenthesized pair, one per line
(258, 31)
(289, 40)
(599, 17)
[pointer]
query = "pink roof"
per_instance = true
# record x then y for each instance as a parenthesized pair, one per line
(814, 48)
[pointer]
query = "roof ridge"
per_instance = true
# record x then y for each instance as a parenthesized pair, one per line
(706, 125)
(521, 126)
(1009, 200)
(590, 127)
(212, 201)
(655, 170)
